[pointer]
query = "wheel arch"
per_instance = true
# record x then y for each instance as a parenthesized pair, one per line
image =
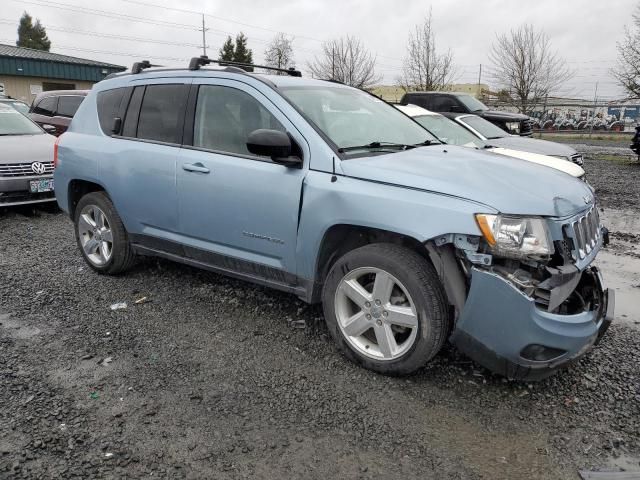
(77, 189)
(342, 238)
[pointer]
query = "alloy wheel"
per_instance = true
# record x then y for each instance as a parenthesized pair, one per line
(376, 314)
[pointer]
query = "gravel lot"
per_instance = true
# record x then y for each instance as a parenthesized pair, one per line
(215, 378)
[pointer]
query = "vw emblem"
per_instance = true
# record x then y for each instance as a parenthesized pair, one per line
(38, 168)
(587, 200)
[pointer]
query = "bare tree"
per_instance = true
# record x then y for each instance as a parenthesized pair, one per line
(346, 60)
(423, 68)
(628, 70)
(525, 65)
(279, 52)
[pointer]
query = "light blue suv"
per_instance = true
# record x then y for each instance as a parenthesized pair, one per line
(333, 195)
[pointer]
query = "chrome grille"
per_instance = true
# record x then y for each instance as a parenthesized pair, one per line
(585, 231)
(577, 159)
(23, 169)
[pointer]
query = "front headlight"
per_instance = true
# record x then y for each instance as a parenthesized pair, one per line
(513, 126)
(510, 236)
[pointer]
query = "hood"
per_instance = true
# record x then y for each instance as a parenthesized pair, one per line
(26, 148)
(502, 116)
(553, 162)
(533, 145)
(510, 186)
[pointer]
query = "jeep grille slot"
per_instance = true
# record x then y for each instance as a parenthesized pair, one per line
(586, 233)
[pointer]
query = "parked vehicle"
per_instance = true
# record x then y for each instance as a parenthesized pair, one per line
(56, 108)
(329, 193)
(26, 160)
(635, 142)
(451, 102)
(497, 137)
(19, 105)
(452, 133)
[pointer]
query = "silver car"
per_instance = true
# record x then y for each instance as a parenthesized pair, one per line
(497, 137)
(26, 160)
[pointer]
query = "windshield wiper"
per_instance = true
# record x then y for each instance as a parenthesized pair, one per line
(401, 146)
(426, 143)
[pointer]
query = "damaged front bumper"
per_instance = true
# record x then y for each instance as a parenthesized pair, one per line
(508, 331)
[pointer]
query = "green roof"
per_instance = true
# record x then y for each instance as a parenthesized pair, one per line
(27, 62)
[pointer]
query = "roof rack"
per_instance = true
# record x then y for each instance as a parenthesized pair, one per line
(197, 62)
(139, 66)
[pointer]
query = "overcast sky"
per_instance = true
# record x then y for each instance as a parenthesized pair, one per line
(583, 31)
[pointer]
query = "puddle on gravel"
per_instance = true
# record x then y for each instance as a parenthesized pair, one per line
(625, 221)
(622, 273)
(16, 328)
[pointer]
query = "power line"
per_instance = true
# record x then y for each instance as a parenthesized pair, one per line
(107, 35)
(105, 13)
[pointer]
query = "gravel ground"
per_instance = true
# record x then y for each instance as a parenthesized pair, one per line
(213, 378)
(617, 182)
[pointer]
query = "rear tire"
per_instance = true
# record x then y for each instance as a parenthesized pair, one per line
(101, 235)
(386, 308)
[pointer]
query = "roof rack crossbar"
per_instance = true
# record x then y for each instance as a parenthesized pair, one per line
(196, 62)
(140, 66)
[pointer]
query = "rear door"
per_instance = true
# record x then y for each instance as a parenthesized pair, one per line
(140, 173)
(238, 210)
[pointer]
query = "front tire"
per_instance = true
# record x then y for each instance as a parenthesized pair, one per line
(101, 235)
(386, 308)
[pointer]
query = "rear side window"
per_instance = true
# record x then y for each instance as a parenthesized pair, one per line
(162, 113)
(420, 100)
(68, 105)
(46, 106)
(444, 103)
(109, 103)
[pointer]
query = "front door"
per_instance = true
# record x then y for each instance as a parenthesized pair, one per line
(237, 210)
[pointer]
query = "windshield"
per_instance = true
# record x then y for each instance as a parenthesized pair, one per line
(22, 107)
(13, 122)
(472, 103)
(352, 118)
(448, 131)
(484, 127)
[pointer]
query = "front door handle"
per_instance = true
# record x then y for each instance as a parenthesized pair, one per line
(195, 167)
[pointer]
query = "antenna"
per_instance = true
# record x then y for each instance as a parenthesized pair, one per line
(334, 178)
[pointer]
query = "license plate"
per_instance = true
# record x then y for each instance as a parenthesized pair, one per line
(39, 186)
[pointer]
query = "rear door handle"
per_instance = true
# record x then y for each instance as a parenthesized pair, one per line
(195, 167)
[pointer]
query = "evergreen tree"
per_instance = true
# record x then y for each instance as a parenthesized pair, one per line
(227, 52)
(32, 35)
(243, 54)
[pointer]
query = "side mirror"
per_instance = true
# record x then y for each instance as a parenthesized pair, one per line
(456, 109)
(274, 144)
(50, 129)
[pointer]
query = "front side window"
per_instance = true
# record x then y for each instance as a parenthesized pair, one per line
(68, 105)
(162, 113)
(352, 118)
(46, 106)
(472, 103)
(13, 122)
(484, 127)
(225, 117)
(448, 131)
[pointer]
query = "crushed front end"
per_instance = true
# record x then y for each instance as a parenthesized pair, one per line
(528, 310)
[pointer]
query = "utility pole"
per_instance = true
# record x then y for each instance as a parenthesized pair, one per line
(480, 82)
(204, 38)
(593, 115)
